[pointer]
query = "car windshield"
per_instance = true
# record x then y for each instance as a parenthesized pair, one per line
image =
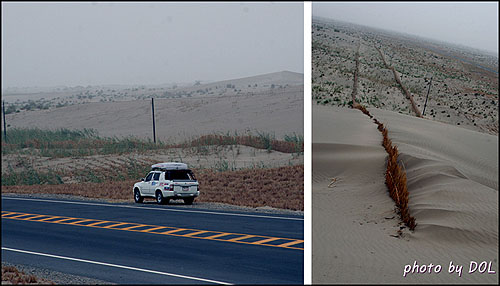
(181, 175)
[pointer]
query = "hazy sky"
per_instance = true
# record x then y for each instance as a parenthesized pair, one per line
(47, 44)
(472, 24)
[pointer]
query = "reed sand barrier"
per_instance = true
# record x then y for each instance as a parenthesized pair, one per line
(395, 175)
(356, 74)
(398, 80)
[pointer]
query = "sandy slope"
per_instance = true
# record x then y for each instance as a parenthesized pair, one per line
(453, 184)
(279, 112)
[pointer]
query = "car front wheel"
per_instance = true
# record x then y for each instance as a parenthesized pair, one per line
(137, 196)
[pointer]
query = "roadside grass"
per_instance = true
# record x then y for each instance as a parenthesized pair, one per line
(70, 143)
(281, 187)
(255, 186)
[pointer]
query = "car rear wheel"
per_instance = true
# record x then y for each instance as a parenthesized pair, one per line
(160, 199)
(188, 201)
(137, 196)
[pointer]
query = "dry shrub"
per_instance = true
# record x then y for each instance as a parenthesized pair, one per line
(395, 176)
(11, 275)
(281, 187)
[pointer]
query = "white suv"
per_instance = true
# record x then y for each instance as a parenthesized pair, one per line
(168, 181)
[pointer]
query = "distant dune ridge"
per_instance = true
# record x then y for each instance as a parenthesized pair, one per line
(271, 103)
(453, 185)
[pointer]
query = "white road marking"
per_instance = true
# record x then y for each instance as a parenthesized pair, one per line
(117, 266)
(157, 209)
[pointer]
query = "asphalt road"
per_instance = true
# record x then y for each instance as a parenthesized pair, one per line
(148, 244)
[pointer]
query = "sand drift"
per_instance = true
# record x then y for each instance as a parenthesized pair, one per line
(453, 195)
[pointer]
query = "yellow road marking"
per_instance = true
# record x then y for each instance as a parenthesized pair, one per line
(134, 226)
(151, 229)
(50, 217)
(219, 236)
(265, 240)
(19, 215)
(77, 222)
(33, 217)
(172, 231)
(7, 213)
(196, 233)
(96, 223)
(61, 220)
(241, 238)
(113, 225)
(291, 243)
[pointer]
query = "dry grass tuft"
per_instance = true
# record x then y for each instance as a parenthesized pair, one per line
(281, 187)
(395, 176)
(11, 275)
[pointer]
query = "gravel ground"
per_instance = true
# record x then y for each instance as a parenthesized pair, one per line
(177, 203)
(55, 276)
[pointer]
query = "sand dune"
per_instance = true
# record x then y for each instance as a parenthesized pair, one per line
(453, 183)
(279, 112)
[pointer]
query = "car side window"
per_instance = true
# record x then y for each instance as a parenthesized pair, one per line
(148, 178)
(156, 177)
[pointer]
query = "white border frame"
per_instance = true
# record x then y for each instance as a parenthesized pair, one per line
(307, 145)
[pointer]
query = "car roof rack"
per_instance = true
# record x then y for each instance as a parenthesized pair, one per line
(169, 166)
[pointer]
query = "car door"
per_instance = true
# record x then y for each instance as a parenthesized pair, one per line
(155, 181)
(146, 185)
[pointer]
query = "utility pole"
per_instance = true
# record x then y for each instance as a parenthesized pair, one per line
(428, 90)
(4, 127)
(153, 109)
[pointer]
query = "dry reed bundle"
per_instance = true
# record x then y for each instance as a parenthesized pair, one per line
(355, 82)
(395, 176)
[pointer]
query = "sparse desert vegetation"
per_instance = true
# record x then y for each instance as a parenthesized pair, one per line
(82, 163)
(464, 89)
